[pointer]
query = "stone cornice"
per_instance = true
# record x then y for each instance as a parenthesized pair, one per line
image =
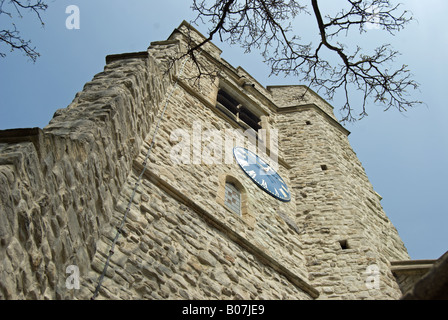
(19, 135)
(131, 55)
(411, 266)
(313, 106)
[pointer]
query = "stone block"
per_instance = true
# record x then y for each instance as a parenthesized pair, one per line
(206, 258)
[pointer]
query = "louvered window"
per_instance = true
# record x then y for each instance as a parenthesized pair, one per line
(238, 110)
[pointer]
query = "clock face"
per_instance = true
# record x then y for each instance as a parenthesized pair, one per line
(262, 174)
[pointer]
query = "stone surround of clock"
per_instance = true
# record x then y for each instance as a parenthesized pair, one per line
(66, 188)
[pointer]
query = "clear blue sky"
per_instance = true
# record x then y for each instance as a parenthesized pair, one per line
(405, 155)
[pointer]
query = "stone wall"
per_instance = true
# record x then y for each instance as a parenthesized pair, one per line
(171, 250)
(59, 187)
(347, 237)
(178, 242)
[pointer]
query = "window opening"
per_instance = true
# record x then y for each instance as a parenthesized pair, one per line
(228, 102)
(240, 111)
(232, 198)
(344, 244)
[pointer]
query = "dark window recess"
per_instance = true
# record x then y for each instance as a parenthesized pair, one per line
(308, 123)
(324, 167)
(227, 101)
(344, 244)
(243, 113)
(249, 118)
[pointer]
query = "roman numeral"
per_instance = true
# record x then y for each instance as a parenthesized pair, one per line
(264, 184)
(251, 173)
(284, 194)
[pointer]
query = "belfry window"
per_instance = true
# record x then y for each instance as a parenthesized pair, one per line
(236, 110)
(232, 198)
(228, 102)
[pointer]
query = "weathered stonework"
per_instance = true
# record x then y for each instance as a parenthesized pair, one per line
(66, 189)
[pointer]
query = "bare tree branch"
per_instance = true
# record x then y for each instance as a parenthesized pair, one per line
(9, 35)
(266, 25)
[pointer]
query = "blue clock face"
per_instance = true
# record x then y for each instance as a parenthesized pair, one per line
(262, 174)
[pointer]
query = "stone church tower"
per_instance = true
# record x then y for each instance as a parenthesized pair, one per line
(134, 191)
